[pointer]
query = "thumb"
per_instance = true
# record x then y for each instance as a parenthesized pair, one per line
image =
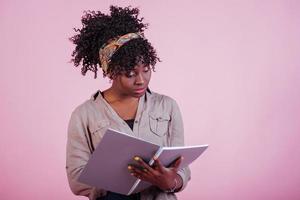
(177, 162)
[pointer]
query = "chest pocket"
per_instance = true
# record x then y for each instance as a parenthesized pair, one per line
(159, 123)
(97, 130)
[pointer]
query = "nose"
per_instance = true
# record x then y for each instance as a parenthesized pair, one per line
(139, 79)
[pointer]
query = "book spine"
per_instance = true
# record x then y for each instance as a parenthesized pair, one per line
(150, 163)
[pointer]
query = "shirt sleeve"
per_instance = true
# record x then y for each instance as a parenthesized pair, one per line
(177, 139)
(78, 153)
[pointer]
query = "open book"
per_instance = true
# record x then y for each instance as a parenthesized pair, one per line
(107, 166)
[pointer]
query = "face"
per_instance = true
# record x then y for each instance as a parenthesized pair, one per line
(135, 82)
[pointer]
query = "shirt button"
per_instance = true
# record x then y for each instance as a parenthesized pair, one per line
(136, 121)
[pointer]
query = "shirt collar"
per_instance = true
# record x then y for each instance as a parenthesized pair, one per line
(97, 95)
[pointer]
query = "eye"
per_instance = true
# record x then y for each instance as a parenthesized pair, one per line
(130, 74)
(146, 69)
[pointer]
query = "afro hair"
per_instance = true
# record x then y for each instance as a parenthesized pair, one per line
(98, 28)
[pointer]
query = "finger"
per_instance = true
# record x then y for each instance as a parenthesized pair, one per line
(139, 173)
(136, 175)
(158, 165)
(177, 163)
(138, 169)
(132, 168)
(143, 164)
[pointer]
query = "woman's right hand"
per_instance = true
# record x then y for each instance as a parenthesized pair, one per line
(165, 178)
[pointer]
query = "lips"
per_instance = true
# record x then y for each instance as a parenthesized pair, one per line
(140, 90)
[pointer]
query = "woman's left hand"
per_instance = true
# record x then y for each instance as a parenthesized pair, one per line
(158, 175)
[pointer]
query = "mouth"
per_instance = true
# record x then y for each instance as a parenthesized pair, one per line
(140, 90)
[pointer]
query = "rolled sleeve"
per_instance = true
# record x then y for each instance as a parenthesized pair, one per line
(177, 139)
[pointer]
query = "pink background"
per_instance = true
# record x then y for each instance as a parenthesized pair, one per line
(233, 67)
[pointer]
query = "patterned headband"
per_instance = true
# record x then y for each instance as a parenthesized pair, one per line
(108, 49)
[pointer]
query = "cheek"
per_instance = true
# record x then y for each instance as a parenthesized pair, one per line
(127, 83)
(148, 76)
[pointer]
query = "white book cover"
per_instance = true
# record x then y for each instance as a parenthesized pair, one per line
(107, 166)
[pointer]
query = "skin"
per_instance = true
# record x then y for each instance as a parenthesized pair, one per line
(158, 175)
(123, 96)
(126, 90)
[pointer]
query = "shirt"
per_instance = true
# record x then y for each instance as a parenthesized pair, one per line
(158, 120)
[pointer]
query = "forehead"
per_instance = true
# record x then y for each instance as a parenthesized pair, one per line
(140, 66)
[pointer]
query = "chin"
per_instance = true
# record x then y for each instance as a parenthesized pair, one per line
(138, 95)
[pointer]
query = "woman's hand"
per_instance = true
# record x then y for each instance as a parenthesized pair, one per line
(158, 175)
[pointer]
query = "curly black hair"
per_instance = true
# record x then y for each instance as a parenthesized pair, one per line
(98, 28)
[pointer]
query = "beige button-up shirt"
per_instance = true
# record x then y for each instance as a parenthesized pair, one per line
(158, 120)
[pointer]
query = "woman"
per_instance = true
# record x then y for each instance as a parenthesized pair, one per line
(116, 44)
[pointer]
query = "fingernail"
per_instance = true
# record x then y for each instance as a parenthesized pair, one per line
(136, 158)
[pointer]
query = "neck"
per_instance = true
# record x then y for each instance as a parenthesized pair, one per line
(113, 95)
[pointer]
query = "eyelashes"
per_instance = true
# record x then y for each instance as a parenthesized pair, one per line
(133, 73)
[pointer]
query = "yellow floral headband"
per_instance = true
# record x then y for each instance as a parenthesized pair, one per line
(108, 49)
